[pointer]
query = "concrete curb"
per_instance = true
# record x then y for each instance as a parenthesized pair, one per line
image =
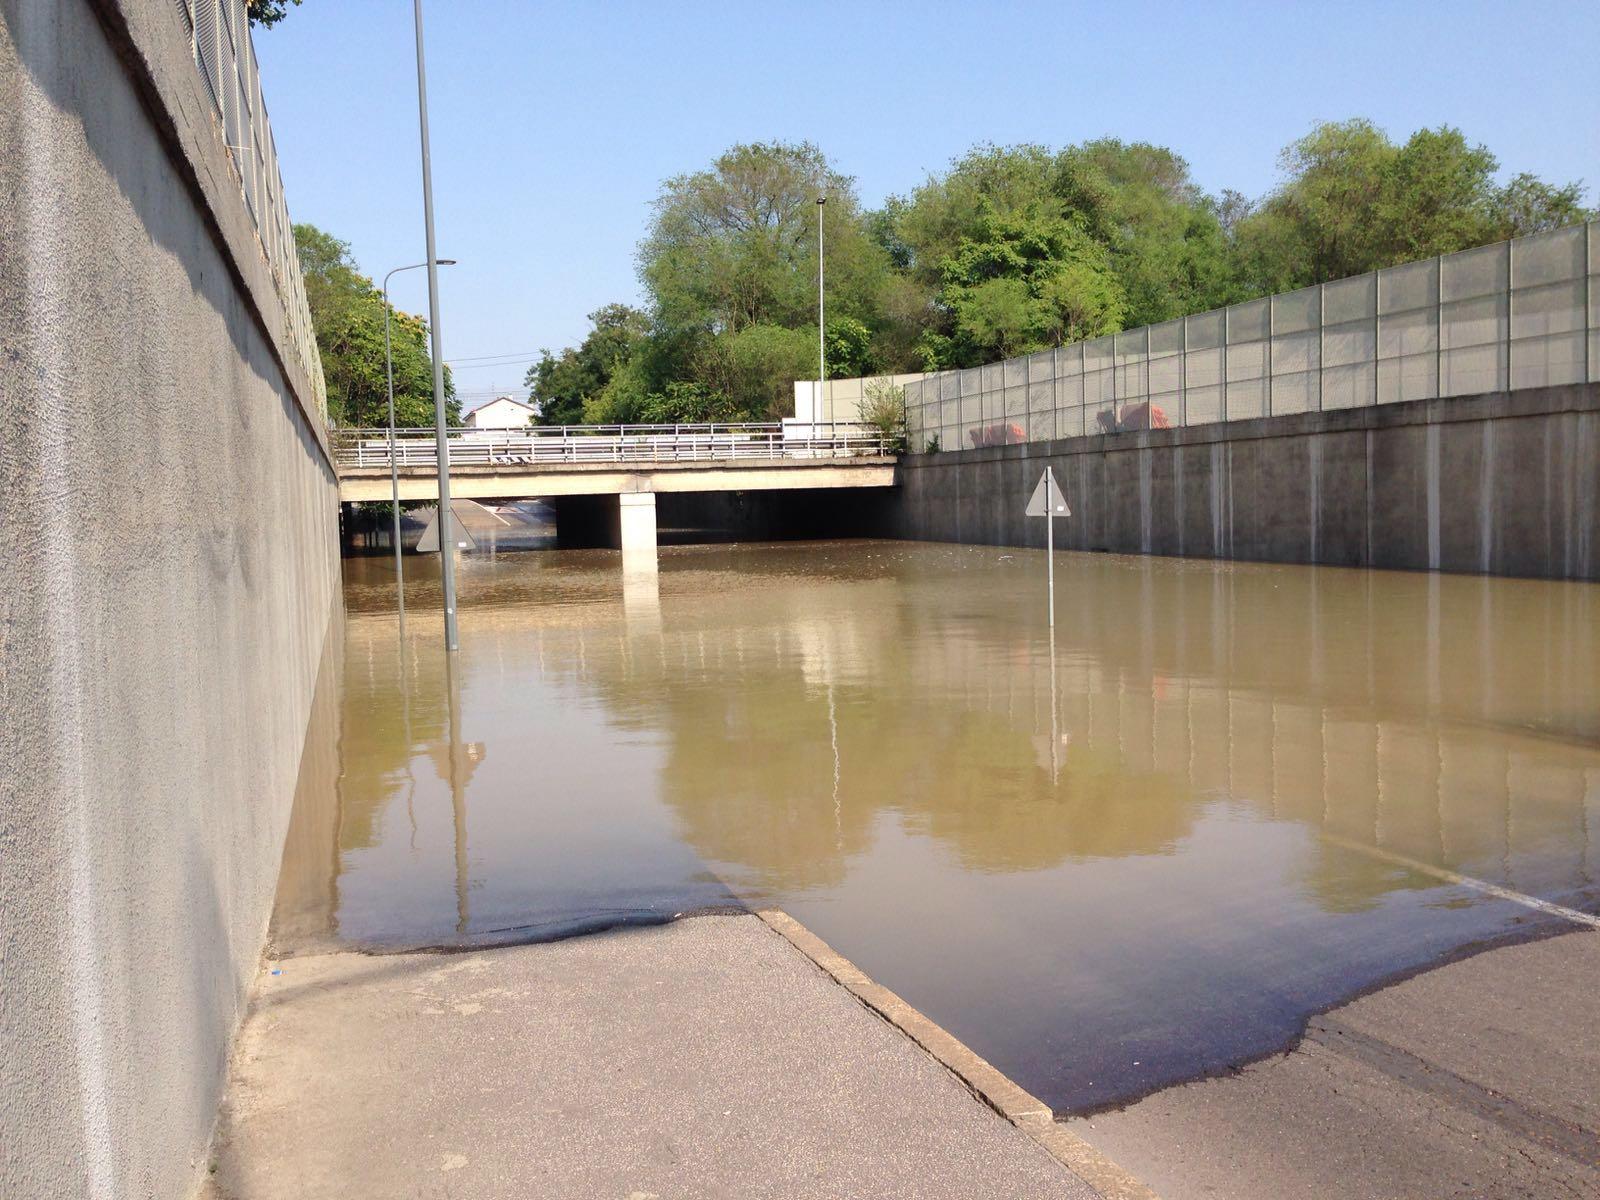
(1024, 1110)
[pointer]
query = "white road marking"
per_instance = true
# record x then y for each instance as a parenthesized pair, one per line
(1479, 885)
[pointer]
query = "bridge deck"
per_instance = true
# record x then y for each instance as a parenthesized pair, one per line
(610, 460)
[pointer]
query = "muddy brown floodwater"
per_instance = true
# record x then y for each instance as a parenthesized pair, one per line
(1222, 797)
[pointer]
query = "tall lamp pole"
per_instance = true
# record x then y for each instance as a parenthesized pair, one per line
(394, 469)
(822, 338)
(447, 545)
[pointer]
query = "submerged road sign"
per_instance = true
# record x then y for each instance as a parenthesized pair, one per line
(429, 542)
(1048, 502)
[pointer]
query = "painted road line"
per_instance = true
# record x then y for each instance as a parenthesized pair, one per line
(986, 1081)
(1580, 1145)
(1479, 885)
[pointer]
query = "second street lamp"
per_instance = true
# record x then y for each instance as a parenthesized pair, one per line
(394, 469)
(822, 336)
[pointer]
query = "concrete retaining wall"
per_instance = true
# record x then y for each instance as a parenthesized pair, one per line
(168, 567)
(1506, 483)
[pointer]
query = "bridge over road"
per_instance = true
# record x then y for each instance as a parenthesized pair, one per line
(632, 462)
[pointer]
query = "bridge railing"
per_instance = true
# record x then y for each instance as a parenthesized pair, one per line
(553, 444)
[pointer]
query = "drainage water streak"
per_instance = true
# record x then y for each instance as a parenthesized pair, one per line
(1157, 872)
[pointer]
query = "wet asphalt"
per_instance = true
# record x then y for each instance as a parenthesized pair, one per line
(1480, 1078)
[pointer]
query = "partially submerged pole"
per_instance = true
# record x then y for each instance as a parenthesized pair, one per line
(447, 565)
(1050, 543)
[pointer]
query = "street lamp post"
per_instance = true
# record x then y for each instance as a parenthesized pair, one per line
(822, 337)
(447, 565)
(394, 469)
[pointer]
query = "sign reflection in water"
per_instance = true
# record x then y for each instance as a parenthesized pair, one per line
(1142, 850)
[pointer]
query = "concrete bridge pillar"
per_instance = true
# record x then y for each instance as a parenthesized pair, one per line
(638, 525)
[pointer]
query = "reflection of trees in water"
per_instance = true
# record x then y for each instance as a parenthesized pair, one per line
(968, 779)
(1338, 699)
(749, 734)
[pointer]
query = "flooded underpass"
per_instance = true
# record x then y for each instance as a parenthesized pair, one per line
(1219, 798)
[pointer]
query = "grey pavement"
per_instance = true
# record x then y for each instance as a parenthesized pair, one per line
(706, 1058)
(1480, 1078)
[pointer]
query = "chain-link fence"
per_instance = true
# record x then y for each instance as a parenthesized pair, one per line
(219, 34)
(1524, 313)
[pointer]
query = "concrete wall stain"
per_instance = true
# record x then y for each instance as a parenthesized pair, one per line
(1504, 484)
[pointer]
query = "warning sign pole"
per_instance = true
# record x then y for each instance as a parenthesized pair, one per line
(1048, 502)
(1050, 548)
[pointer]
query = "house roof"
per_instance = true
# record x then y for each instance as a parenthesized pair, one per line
(503, 400)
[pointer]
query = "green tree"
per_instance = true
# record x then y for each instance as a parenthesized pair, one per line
(850, 352)
(1025, 282)
(1528, 205)
(756, 367)
(736, 244)
(347, 314)
(687, 403)
(1018, 247)
(559, 385)
(1435, 196)
(1321, 222)
(1352, 201)
(1168, 250)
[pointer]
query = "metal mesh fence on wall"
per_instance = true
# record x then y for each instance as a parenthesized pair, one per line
(1523, 313)
(219, 34)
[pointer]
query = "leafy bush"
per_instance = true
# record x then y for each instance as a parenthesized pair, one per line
(687, 404)
(883, 406)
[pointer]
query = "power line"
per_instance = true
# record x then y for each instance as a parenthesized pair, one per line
(520, 354)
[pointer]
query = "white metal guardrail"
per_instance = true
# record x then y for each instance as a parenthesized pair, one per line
(1523, 313)
(219, 35)
(355, 449)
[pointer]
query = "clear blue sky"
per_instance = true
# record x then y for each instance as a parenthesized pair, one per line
(553, 125)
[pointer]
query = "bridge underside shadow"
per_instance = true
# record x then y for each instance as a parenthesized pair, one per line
(688, 518)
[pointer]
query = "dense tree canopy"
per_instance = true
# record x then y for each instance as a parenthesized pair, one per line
(1011, 250)
(558, 384)
(730, 265)
(347, 314)
(1352, 201)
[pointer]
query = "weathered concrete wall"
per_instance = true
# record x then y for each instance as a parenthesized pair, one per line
(1504, 484)
(168, 568)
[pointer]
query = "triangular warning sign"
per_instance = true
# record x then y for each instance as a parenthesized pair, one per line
(429, 542)
(1057, 502)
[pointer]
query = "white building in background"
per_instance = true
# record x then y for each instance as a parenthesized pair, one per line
(503, 412)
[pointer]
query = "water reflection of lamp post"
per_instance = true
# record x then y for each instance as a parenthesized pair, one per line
(394, 469)
(833, 734)
(458, 791)
(1055, 719)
